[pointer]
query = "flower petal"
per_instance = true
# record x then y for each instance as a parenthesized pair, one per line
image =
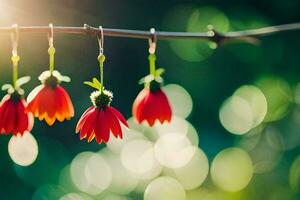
(89, 124)
(118, 115)
(114, 122)
(83, 119)
(102, 126)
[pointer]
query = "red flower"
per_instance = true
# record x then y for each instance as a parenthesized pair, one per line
(13, 115)
(49, 100)
(150, 105)
(101, 119)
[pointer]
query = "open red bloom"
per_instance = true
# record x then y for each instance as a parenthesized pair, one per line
(100, 120)
(151, 105)
(50, 101)
(13, 115)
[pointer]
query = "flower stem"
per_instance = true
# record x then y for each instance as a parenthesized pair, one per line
(15, 59)
(101, 59)
(101, 75)
(51, 52)
(152, 59)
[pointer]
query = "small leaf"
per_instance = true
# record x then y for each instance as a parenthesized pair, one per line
(141, 81)
(149, 78)
(159, 71)
(6, 87)
(159, 79)
(146, 79)
(23, 80)
(65, 78)
(96, 82)
(91, 84)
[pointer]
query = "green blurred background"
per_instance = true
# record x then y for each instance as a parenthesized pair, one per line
(210, 76)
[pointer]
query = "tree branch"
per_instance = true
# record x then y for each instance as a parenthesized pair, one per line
(251, 35)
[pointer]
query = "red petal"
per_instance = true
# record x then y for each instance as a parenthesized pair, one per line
(89, 124)
(139, 104)
(68, 106)
(9, 117)
(102, 127)
(33, 99)
(3, 108)
(149, 109)
(22, 119)
(114, 123)
(151, 106)
(118, 115)
(83, 118)
(60, 113)
(167, 111)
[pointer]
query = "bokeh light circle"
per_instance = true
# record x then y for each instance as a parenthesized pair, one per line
(231, 169)
(180, 100)
(278, 94)
(98, 172)
(177, 124)
(123, 181)
(116, 144)
(193, 174)
(294, 175)
(257, 101)
(147, 132)
(174, 150)
(77, 171)
(236, 115)
(192, 135)
(48, 190)
(267, 153)
(115, 197)
(163, 188)
(194, 19)
(138, 157)
(75, 196)
(23, 150)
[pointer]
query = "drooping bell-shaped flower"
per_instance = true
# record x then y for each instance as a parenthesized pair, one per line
(152, 104)
(50, 101)
(101, 119)
(14, 118)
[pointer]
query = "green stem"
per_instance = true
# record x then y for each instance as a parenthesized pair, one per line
(101, 59)
(152, 59)
(15, 75)
(101, 75)
(15, 59)
(51, 52)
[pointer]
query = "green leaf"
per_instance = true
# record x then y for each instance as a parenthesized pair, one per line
(91, 84)
(65, 79)
(147, 79)
(159, 79)
(6, 87)
(159, 71)
(142, 81)
(96, 82)
(23, 80)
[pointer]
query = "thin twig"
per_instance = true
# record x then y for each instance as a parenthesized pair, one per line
(212, 35)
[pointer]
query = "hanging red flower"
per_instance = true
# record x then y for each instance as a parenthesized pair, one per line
(101, 119)
(50, 101)
(14, 117)
(152, 104)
